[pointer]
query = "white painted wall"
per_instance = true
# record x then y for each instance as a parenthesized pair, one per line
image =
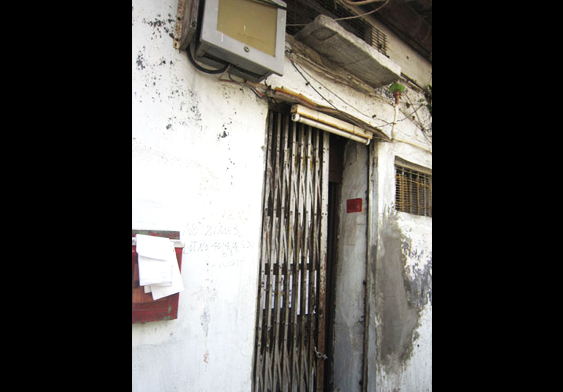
(197, 150)
(198, 167)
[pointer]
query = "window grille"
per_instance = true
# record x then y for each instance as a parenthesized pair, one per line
(301, 12)
(378, 40)
(413, 191)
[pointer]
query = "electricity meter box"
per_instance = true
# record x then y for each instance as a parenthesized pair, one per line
(249, 34)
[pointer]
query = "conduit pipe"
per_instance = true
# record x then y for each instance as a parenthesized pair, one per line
(328, 123)
(395, 120)
(304, 120)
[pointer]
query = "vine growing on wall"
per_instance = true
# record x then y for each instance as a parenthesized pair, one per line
(428, 96)
(398, 90)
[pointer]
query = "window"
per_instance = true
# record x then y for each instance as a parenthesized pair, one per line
(413, 189)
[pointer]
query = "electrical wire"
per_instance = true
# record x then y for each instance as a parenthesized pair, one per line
(251, 86)
(310, 85)
(202, 69)
(367, 13)
(336, 95)
(346, 17)
(272, 4)
(330, 103)
(406, 117)
(360, 2)
(422, 127)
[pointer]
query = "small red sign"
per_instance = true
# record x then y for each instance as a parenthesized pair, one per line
(354, 205)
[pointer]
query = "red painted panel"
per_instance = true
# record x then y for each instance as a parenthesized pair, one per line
(354, 205)
(144, 308)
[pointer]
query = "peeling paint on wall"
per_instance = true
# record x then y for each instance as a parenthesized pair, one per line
(418, 281)
(402, 293)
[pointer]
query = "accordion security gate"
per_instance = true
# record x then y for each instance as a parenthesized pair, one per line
(290, 328)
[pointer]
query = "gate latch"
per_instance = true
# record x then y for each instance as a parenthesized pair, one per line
(320, 355)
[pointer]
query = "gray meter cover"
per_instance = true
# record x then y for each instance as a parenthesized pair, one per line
(249, 34)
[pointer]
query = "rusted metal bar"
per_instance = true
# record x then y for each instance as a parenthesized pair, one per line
(292, 251)
(261, 305)
(286, 259)
(323, 260)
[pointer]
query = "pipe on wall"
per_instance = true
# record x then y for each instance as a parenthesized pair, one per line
(325, 127)
(331, 121)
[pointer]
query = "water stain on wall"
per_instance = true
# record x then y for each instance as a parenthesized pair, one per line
(418, 281)
(399, 299)
(205, 318)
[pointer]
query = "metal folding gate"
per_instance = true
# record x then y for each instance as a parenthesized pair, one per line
(290, 327)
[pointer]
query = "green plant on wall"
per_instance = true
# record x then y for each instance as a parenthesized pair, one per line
(396, 87)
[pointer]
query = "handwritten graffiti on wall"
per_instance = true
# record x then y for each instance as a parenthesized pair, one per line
(223, 236)
(226, 247)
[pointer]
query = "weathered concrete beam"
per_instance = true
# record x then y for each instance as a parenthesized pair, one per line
(328, 38)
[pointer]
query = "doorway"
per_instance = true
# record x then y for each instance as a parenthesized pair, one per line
(298, 277)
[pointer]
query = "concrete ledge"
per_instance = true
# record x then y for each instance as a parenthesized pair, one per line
(328, 38)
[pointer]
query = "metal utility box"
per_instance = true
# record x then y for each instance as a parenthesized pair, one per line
(248, 34)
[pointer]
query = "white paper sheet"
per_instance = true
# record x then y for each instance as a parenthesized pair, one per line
(158, 266)
(153, 247)
(160, 290)
(153, 255)
(154, 271)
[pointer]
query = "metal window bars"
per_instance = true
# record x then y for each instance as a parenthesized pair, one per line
(413, 191)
